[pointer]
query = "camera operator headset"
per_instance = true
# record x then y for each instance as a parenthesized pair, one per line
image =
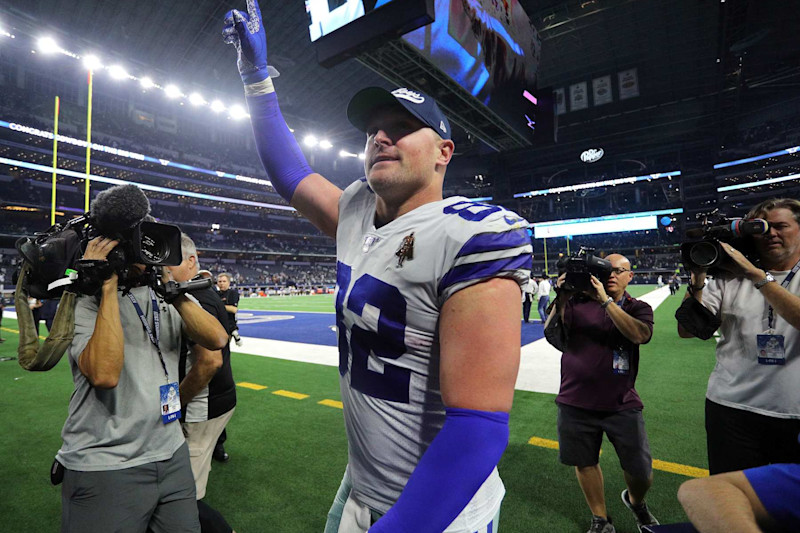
(752, 402)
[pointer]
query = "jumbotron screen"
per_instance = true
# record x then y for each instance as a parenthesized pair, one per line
(492, 50)
(325, 16)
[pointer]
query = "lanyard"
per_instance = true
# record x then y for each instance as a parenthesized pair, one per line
(784, 283)
(154, 333)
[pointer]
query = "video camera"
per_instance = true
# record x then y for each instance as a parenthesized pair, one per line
(120, 213)
(580, 267)
(52, 262)
(704, 251)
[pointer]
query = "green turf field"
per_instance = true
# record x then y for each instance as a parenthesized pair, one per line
(288, 455)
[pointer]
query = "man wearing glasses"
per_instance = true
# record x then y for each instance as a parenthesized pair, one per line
(604, 328)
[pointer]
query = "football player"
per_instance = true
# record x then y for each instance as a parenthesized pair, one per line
(427, 307)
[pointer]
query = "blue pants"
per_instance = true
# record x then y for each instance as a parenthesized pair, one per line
(544, 301)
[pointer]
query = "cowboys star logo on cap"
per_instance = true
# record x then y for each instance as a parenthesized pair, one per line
(367, 101)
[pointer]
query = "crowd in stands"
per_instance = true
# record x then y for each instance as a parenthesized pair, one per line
(767, 135)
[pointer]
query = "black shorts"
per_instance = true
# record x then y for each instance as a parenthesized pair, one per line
(580, 434)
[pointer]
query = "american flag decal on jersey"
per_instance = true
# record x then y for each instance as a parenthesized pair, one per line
(406, 250)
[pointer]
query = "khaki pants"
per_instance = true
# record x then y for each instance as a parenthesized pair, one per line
(201, 438)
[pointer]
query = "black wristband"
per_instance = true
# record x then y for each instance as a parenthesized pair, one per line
(692, 289)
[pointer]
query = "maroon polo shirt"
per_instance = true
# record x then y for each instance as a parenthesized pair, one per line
(588, 380)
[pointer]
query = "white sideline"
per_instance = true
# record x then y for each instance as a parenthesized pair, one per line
(540, 363)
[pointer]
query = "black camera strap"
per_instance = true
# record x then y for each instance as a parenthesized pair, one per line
(153, 333)
(784, 283)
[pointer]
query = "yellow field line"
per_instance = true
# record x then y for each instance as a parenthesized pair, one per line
(290, 394)
(684, 470)
(253, 386)
(17, 332)
(664, 466)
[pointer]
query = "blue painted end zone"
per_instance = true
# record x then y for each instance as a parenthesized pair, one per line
(318, 328)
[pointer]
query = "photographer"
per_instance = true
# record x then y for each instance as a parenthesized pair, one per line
(125, 461)
(752, 403)
(604, 328)
(208, 392)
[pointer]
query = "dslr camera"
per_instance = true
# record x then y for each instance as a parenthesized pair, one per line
(703, 249)
(120, 213)
(580, 266)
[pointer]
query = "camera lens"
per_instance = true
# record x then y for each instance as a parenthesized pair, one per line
(704, 254)
(154, 250)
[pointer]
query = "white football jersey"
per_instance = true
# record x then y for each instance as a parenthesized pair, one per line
(391, 285)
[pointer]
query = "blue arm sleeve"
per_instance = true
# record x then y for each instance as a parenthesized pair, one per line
(458, 461)
(280, 154)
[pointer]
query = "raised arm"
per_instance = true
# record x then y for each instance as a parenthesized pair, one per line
(479, 364)
(102, 359)
(631, 328)
(311, 194)
(697, 282)
(202, 327)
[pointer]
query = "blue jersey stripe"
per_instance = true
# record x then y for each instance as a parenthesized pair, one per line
(485, 269)
(491, 242)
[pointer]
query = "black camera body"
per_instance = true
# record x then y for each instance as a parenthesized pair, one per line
(580, 267)
(121, 213)
(704, 250)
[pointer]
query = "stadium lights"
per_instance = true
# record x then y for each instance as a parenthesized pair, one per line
(92, 62)
(47, 45)
(345, 153)
(172, 91)
(310, 141)
(237, 112)
(130, 155)
(362, 156)
(196, 99)
(6, 34)
(785, 151)
(117, 72)
(217, 106)
(758, 183)
(596, 184)
(144, 186)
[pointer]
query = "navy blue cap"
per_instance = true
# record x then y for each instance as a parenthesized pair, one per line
(419, 104)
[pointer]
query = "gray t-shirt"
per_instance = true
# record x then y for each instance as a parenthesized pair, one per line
(112, 429)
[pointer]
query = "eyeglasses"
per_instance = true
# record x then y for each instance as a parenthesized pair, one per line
(619, 270)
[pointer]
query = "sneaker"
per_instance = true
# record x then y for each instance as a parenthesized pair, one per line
(642, 514)
(601, 525)
(220, 454)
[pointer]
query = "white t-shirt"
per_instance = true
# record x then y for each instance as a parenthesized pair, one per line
(738, 380)
(529, 288)
(544, 288)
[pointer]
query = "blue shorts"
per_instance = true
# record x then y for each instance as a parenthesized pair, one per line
(778, 488)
